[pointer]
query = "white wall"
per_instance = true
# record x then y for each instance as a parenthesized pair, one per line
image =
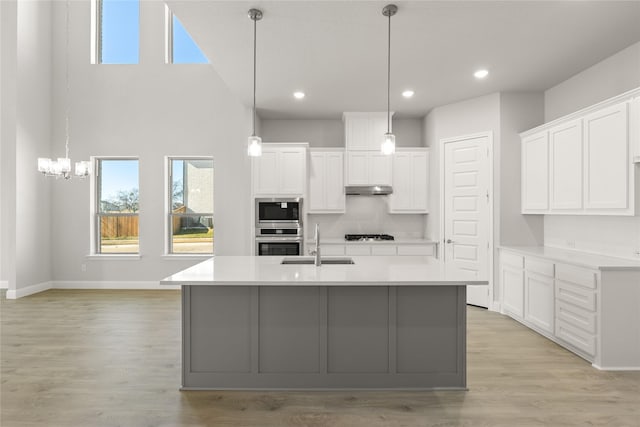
(616, 236)
(149, 110)
(612, 76)
(330, 133)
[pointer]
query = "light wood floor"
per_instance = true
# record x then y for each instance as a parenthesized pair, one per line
(112, 358)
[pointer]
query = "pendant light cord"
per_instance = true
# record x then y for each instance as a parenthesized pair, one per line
(389, 77)
(254, 77)
(66, 77)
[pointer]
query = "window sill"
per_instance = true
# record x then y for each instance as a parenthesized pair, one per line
(189, 257)
(113, 257)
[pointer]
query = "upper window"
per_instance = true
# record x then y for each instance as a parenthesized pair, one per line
(117, 206)
(180, 47)
(190, 206)
(118, 29)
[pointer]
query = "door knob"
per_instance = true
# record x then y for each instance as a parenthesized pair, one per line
(449, 241)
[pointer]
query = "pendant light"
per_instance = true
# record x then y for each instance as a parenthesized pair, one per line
(389, 142)
(61, 168)
(254, 148)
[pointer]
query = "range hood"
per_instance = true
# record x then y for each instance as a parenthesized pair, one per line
(368, 190)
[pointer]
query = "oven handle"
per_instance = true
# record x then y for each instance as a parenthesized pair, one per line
(279, 239)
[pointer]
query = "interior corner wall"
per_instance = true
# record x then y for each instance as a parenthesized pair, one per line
(608, 235)
(148, 110)
(518, 112)
(8, 70)
(32, 140)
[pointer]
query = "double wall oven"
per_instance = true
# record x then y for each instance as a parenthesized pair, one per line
(279, 226)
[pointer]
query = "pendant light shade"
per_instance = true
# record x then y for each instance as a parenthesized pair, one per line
(388, 146)
(254, 146)
(61, 168)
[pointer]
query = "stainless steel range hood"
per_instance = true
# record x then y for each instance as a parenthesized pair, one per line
(368, 190)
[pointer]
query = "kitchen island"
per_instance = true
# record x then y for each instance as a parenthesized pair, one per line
(382, 322)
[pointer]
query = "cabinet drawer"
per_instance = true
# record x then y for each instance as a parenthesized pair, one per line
(416, 250)
(332, 250)
(383, 250)
(576, 316)
(514, 260)
(577, 275)
(539, 266)
(358, 250)
(577, 295)
(576, 337)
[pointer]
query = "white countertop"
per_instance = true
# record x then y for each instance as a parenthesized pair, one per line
(401, 241)
(367, 270)
(582, 259)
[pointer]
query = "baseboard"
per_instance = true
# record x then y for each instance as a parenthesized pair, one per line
(28, 290)
(616, 368)
(103, 284)
(496, 306)
(4, 284)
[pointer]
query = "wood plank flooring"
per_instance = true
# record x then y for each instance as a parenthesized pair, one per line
(112, 358)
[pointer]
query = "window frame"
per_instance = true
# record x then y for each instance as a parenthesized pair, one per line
(169, 214)
(96, 240)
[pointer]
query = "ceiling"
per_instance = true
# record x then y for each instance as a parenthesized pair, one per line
(335, 51)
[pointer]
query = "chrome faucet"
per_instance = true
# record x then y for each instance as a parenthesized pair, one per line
(316, 252)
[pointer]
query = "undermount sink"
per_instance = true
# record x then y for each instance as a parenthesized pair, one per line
(323, 260)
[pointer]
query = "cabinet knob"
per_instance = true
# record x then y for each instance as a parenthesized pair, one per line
(449, 241)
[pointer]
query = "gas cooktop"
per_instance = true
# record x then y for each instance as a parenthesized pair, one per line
(367, 237)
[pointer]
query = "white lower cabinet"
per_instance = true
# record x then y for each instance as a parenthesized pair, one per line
(379, 249)
(539, 297)
(512, 279)
(332, 250)
(357, 249)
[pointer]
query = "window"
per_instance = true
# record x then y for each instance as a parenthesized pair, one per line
(117, 206)
(116, 31)
(190, 206)
(180, 47)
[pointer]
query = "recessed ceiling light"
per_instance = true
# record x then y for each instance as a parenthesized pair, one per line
(481, 74)
(408, 93)
(298, 95)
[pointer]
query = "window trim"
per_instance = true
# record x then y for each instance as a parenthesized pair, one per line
(94, 199)
(168, 201)
(168, 35)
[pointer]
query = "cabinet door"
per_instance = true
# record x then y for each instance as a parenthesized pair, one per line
(384, 250)
(402, 197)
(377, 129)
(357, 132)
(565, 143)
(334, 181)
(420, 182)
(317, 192)
(535, 173)
(291, 171)
(606, 158)
(357, 168)
(265, 172)
(539, 301)
(358, 249)
(380, 169)
(513, 289)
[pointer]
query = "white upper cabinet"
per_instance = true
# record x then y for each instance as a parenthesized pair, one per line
(535, 173)
(368, 168)
(326, 183)
(565, 147)
(364, 131)
(280, 171)
(410, 181)
(583, 164)
(606, 158)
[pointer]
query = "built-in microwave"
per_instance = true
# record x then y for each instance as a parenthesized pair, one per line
(279, 212)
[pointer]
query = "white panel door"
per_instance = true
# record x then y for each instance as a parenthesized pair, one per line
(317, 191)
(606, 158)
(380, 169)
(357, 168)
(539, 301)
(634, 126)
(535, 173)
(334, 181)
(292, 171)
(265, 172)
(466, 211)
(565, 146)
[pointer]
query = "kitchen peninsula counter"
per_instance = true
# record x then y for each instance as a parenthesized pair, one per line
(383, 322)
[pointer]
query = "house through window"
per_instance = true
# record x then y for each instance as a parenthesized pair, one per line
(191, 228)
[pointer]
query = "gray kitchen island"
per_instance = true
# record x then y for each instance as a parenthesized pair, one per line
(380, 323)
